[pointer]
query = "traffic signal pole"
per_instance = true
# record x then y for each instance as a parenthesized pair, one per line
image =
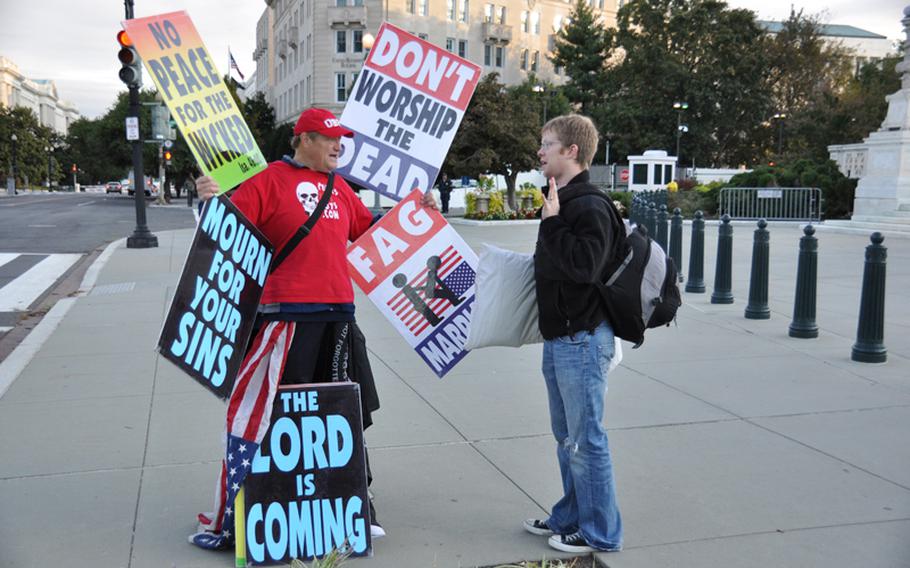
(129, 74)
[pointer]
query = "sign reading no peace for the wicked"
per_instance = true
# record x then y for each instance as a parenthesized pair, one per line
(190, 85)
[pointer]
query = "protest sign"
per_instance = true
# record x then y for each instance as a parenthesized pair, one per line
(420, 274)
(204, 110)
(404, 110)
(210, 319)
(306, 491)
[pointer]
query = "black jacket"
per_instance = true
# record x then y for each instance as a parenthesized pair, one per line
(573, 251)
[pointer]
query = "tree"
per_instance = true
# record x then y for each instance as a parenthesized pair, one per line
(260, 116)
(32, 139)
(582, 47)
(499, 134)
(698, 52)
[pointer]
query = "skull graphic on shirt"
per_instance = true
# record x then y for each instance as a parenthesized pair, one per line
(308, 196)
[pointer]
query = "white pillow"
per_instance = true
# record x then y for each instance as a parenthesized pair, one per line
(505, 303)
(505, 300)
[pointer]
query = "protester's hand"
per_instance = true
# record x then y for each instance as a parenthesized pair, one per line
(206, 188)
(550, 201)
(429, 201)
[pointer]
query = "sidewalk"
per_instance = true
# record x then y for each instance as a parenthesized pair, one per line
(734, 445)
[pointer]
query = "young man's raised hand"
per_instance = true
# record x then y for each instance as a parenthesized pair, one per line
(550, 201)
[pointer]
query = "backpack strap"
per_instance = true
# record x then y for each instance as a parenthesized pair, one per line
(305, 229)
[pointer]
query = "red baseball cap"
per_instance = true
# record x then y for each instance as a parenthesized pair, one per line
(322, 121)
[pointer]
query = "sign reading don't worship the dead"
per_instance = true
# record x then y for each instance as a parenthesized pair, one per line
(211, 316)
(306, 491)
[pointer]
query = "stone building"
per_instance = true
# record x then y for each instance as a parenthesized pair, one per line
(40, 95)
(309, 52)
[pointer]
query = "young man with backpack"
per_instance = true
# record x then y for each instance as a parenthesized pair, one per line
(578, 237)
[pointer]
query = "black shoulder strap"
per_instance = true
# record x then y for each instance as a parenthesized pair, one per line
(305, 229)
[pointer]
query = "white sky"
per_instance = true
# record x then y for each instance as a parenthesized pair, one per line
(73, 41)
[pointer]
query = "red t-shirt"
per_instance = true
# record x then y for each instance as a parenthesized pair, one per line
(278, 201)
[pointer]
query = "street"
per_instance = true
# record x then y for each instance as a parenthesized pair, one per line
(47, 241)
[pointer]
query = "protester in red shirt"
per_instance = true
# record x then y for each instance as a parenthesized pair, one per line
(310, 293)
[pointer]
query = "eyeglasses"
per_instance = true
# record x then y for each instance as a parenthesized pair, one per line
(547, 145)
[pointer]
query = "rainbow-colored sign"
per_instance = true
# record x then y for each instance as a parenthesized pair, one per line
(191, 86)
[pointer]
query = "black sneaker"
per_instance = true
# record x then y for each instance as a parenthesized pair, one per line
(575, 543)
(376, 530)
(538, 527)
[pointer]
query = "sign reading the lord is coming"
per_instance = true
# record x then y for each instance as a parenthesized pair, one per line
(420, 274)
(205, 112)
(306, 492)
(211, 317)
(404, 110)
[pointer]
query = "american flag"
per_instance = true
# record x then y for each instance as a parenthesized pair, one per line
(453, 271)
(234, 65)
(248, 418)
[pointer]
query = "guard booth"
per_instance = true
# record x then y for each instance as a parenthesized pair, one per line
(651, 171)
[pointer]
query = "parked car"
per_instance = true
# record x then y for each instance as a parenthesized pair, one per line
(150, 190)
(113, 187)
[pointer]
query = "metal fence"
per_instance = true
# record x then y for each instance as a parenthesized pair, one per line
(771, 203)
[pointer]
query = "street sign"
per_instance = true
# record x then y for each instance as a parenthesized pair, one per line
(168, 143)
(624, 175)
(132, 128)
(160, 118)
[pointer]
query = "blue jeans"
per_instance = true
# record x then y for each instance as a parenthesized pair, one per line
(575, 369)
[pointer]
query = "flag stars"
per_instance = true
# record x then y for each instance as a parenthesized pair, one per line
(242, 448)
(230, 457)
(245, 463)
(235, 487)
(233, 471)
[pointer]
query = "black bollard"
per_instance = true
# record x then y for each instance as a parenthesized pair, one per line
(758, 283)
(803, 324)
(676, 225)
(723, 272)
(870, 331)
(662, 227)
(651, 219)
(696, 283)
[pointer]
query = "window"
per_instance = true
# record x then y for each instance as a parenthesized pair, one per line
(463, 48)
(488, 13)
(500, 55)
(464, 11)
(487, 54)
(339, 2)
(535, 22)
(360, 2)
(357, 40)
(640, 174)
(450, 10)
(341, 88)
(524, 21)
(424, 7)
(412, 6)
(450, 44)
(424, 36)
(341, 41)
(535, 61)
(668, 173)
(557, 23)
(524, 60)
(502, 15)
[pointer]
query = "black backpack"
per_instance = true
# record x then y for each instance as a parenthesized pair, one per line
(639, 288)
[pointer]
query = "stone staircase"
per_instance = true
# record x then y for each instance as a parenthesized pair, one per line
(894, 223)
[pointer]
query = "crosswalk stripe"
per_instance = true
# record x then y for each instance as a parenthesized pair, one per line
(19, 294)
(6, 257)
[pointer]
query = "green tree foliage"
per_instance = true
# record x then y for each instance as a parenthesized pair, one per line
(499, 134)
(260, 116)
(33, 139)
(698, 52)
(582, 47)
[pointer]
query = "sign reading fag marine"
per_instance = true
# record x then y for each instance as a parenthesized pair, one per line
(420, 274)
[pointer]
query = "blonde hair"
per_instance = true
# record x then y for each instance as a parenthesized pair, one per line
(575, 129)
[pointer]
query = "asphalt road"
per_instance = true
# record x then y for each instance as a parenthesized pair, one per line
(48, 241)
(78, 222)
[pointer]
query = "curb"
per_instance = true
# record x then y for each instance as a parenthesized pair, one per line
(22, 355)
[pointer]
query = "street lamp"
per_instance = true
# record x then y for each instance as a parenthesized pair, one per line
(680, 107)
(11, 189)
(541, 89)
(780, 117)
(48, 149)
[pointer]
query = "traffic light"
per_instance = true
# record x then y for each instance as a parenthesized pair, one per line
(131, 71)
(167, 157)
(74, 169)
